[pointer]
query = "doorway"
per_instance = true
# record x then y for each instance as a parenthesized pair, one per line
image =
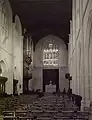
(50, 75)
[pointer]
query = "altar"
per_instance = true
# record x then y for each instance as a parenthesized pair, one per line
(50, 88)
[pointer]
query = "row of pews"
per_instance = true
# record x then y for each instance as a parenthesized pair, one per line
(47, 108)
(45, 115)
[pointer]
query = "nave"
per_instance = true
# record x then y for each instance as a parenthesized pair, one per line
(48, 107)
(36, 43)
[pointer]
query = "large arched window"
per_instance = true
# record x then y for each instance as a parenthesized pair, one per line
(50, 53)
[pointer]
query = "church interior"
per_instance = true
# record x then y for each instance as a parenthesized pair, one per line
(45, 60)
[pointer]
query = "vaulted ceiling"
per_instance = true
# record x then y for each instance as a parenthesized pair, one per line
(43, 17)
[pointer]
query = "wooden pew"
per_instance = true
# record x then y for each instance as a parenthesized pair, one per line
(9, 113)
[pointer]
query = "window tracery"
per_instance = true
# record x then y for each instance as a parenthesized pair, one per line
(50, 53)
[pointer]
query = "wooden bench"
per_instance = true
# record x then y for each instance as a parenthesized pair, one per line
(43, 118)
(71, 118)
(17, 118)
(10, 118)
(9, 113)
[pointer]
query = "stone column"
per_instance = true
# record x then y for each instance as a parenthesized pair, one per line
(82, 56)
(74, 73)
(90, 65)
(73, 23)
(91, 73)
(78, 67)
(77, 77)
(82, 76)
(86, 76)
(75, 70)
(89, 68)
(21, 62)
(1, 1)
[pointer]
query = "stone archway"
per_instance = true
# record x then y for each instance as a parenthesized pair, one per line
(3, 76)
(3, 69)
(18, 25)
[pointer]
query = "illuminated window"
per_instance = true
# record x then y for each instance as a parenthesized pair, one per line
(50, 53)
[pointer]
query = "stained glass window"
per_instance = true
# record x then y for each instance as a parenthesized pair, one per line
(50, 53)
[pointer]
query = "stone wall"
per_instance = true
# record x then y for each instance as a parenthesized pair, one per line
(11, 42)
(18, 53)
(6, 41)
(80, 49)
(38, 66)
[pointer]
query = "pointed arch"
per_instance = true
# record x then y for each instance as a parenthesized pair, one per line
(4, 68)
(18, 25)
